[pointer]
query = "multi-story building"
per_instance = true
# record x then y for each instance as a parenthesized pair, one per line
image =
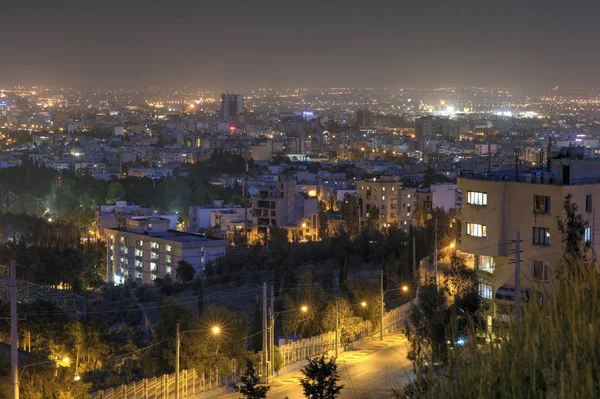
(395, 203)
(273, 205)
(231, 106)
(495, 206)
(201, 217)
(146, 249)
(115, 215)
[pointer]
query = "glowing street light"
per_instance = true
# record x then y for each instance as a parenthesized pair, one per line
(363, 304)
(405, 288)
(216, 330)
(304, 309)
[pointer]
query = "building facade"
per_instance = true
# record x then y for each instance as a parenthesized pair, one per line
(494, 207)
(146, 249)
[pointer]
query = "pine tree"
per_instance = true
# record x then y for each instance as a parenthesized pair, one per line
(249, 387)
(321, 379)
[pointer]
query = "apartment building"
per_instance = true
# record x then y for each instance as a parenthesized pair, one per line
(116, 215)
(495, 206)
(395, 203)
(147, 249)
(273, 205)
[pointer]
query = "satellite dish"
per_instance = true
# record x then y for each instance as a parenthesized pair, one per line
(253, 191)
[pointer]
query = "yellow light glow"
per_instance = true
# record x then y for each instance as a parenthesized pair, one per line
(304, 309)
(312, 193)
(405, 288)
(216, 330)
(303, 225)
(363, 304)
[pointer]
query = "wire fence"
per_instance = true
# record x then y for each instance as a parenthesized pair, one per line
(193, 383)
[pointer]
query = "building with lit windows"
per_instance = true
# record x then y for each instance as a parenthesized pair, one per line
(493, 207)
(395, 203)
(147, 249)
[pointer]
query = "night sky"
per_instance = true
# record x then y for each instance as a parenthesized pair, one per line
(228, 43)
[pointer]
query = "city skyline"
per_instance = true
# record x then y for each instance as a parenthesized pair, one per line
(283, 44)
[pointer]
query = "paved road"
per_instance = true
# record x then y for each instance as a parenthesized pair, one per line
(370, 371)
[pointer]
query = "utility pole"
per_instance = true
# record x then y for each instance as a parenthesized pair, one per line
(246, 208)
(272, 329)
(593, 237)
(518, 279)
(14, 336)
(435, 256)
(381, 307)
(414, 260)
(337, 327)
(264, 323)
(177, 343)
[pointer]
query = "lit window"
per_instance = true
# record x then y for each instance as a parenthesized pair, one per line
(383, 197)
(587, 234)
(476, 198)
(383, 188)
(541, 236)
(485, 291)
(540, 270)
(476, 230)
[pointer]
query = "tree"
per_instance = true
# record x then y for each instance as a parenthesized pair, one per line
(185, 271)
(572, 228)
(249, 387)
(115, 192)
(320, 379)
(322, 224)
(349, 213)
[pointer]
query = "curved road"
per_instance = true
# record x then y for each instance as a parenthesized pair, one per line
(369, 371)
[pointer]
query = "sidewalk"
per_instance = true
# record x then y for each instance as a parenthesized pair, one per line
(357, 352)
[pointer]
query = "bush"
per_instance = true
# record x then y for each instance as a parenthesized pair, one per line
(551, 353)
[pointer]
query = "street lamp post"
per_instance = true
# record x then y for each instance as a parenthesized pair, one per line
(272, 317)
(216, 330)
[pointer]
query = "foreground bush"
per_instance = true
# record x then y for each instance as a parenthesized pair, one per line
(552, 353)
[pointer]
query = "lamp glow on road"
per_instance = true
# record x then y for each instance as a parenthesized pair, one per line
(304, 309)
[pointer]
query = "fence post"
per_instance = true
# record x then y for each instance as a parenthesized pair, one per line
(145, 388)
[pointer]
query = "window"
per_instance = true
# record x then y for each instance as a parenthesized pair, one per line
(541, 236)
(383, 197)
(540, 270)
(153, 268)
(476, 230)
(476, 198)
(485, 263)
(588, 203)
(485, 291)
(541, 204)
(169, 248)
(383, 188)
(154, 245)
(587, 234)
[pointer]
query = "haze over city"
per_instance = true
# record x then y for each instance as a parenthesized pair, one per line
(224, 44)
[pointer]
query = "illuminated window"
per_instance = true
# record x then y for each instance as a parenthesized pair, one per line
(541, 236)
(476, 230)
(485, 291)
(587, 234)
(476, 198)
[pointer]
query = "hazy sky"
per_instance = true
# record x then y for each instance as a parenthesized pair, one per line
(224, 43)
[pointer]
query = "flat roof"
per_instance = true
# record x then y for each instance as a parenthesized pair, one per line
(173, 235)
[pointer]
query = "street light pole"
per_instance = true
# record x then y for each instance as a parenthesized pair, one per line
(14, 336)
(337, 327)
(177, 343)
(381, 308)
